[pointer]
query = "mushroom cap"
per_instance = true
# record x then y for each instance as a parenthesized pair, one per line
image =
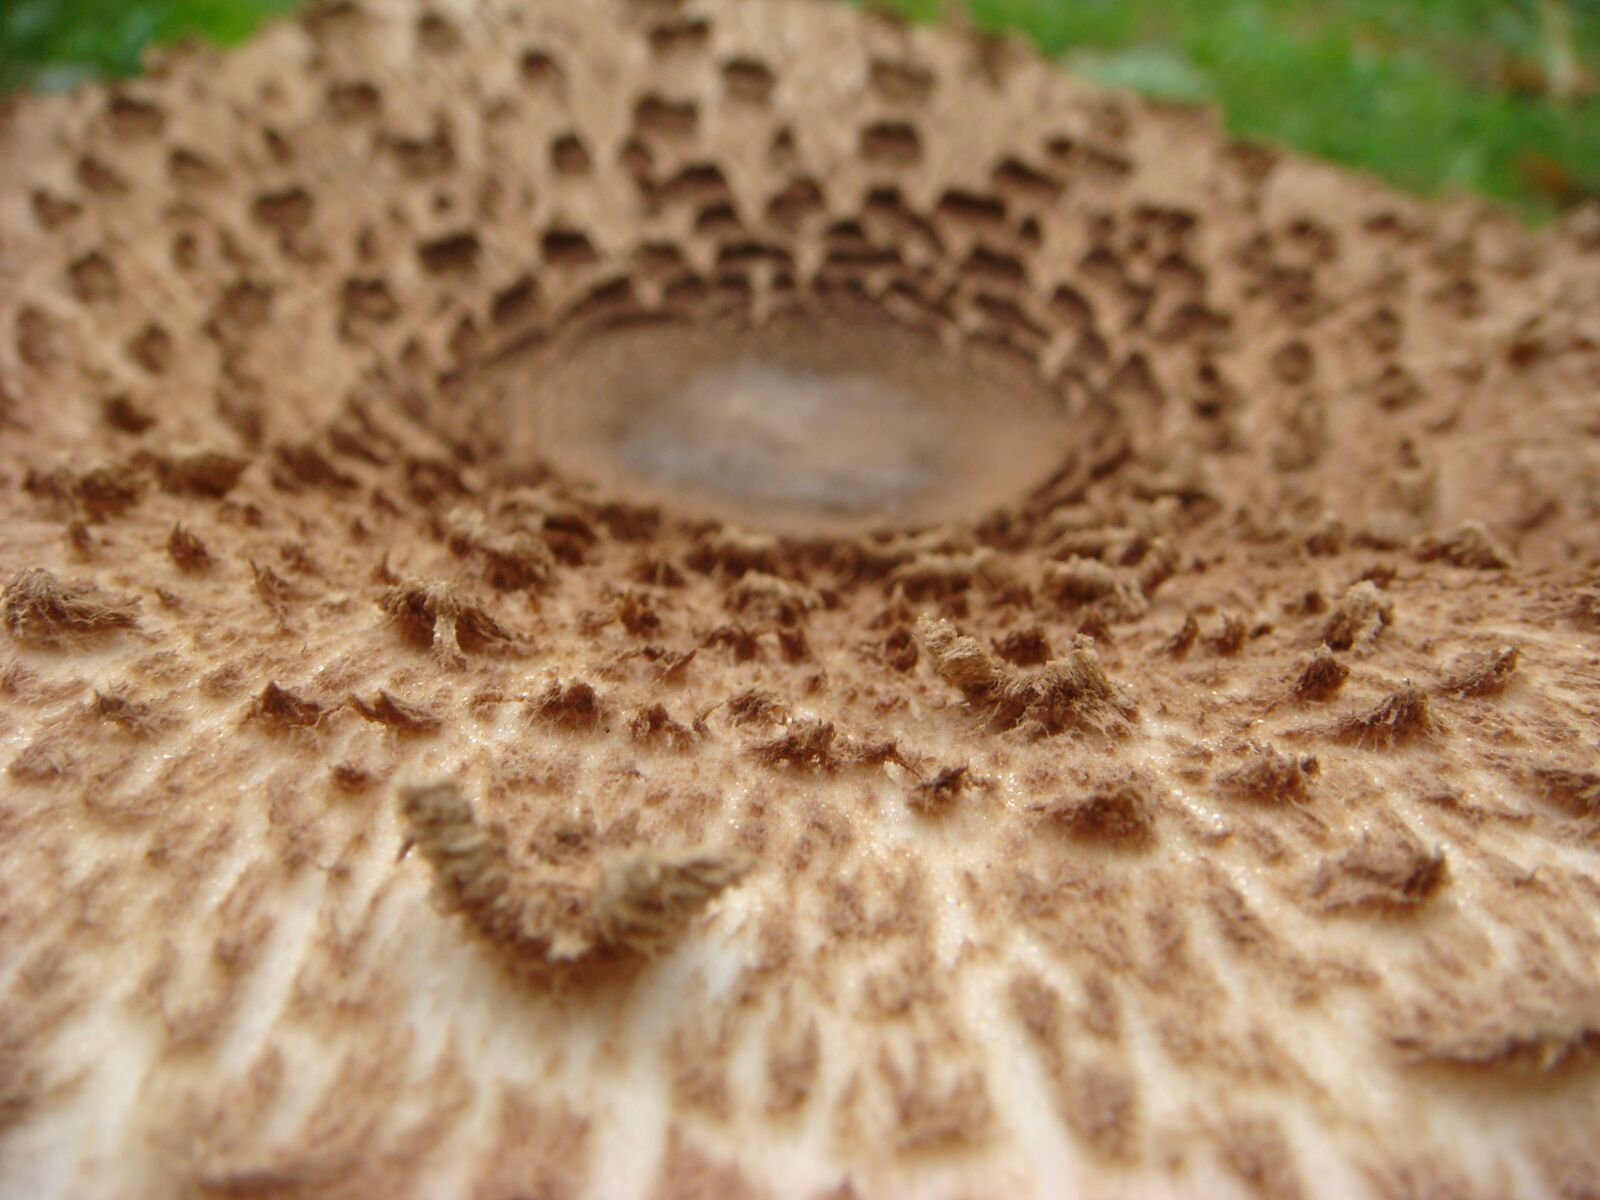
(713, 598)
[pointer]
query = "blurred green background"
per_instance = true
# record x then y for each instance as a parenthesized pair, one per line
(1498, 97)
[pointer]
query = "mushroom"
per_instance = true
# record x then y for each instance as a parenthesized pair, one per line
(715, 598)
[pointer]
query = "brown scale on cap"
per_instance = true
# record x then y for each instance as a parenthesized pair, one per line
(39, 610)
(930, 631)
(547, 927)
(1070, 692)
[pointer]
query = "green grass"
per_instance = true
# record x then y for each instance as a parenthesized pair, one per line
(1431, 94)
(56, 43)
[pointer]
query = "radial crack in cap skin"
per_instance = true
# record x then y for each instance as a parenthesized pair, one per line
(729, 598)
